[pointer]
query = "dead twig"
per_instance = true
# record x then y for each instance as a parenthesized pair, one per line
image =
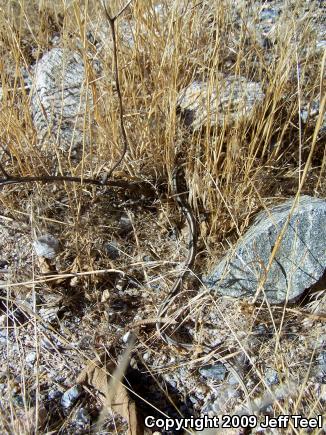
(112, 21)
(145, 188)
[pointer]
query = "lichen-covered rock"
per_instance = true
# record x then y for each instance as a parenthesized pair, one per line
(299, 262)
(234, 100)
(60, 98)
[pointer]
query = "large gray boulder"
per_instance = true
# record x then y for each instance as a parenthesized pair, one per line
(60, 98)
(299, 262)
(233, 101)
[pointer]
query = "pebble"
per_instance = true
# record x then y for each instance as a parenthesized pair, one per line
(126, 337)
(30, 358)
(271, 376)
(125, 225)
(111, 249)
(46, 246)
(213, 371)
(71, 396)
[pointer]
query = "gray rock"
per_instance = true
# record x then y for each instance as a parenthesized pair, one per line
(214, 371)
(271, 376)
(298, 264)
(46, 246)
(234, 101)
(31, 358)
(112, 250)
(60, 98)
(71, 396)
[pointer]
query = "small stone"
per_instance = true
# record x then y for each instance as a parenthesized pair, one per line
(30, 358)
(271, 376)
(269, 14)
(126, 337)
(46, 246)
(148, 258)
(232, 393)
(125, 225)
(111, 249)
(105, 296)
(214, 371)
(71, 396)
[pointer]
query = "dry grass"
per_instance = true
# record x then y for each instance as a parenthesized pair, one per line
(233, 171)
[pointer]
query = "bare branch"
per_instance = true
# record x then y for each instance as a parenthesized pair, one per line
(145, 188)
(117, 82)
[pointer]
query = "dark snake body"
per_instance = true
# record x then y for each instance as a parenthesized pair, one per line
(179, 197)
(183, 205)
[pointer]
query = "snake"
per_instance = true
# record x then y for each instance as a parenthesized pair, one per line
(179, 198)
(178, 195)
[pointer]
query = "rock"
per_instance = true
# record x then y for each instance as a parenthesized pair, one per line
(46, 246)
(112, 250)
(30, 358)
(71, 396)
(269, 24)
(126, 337)
(271, 377)
(298, 264)
(214, 371)
(234, 101)
(60, 98)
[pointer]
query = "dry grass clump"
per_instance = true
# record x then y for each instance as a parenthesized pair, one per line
(233, 170)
